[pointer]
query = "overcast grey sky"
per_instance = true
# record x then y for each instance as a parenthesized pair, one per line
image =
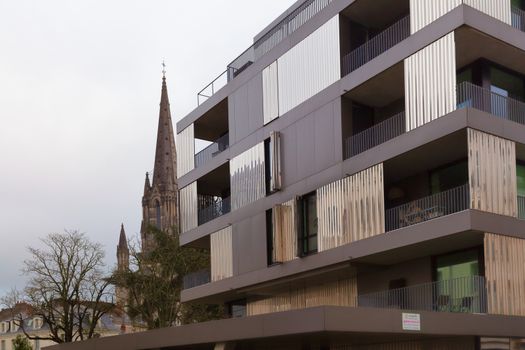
(79, 92)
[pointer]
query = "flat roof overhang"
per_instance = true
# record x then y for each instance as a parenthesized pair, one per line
(352, 322)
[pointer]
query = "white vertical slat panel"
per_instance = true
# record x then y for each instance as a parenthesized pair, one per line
(185, 151)
(430, 82)
(351, 209)
(270, 93)
(500, 9)
(221, 254)
(188, 207)
(310, 66)
(424, 12)
(492, 173)
(247, 177)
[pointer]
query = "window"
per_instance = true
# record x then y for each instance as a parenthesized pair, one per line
(457, 265)
(448, 177)
(520, 169)
(308, 233)
(269, 237)
(272, 163)
(237, 308)
(2, 346)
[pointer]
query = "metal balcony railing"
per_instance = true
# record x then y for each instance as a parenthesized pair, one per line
(465, 295)
(518, 18)
(440, 204)
(376, 135)
(521, 207)
(380, 43)
(214, 209)
(473, 96)
(204, 156)
(268, 41)
(197, 278)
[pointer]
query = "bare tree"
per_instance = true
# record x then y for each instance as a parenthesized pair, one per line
(68, 287)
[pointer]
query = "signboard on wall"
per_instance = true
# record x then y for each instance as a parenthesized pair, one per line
(411, 322)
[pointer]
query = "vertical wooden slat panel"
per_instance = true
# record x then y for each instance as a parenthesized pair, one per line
(221, 254)
(505, 274)
(430, 82)
(351, 209)
(285, 232)
(492, 173)
(338, 293)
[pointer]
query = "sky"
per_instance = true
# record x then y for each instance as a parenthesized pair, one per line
(79, 97)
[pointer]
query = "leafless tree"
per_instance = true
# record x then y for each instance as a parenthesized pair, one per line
(68, 287)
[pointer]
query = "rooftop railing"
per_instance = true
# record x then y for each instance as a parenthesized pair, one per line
(461, 295)
(213, 208)
(521, 207)
(518, 18)
(428, 208)
(376, 135)
(473, 96)
(268, 41)
(196, 279)
(374, 47)
(204, 156)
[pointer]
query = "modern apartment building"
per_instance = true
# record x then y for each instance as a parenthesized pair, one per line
(364, 182)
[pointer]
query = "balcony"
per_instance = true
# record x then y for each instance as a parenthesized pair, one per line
(376, 135)
(377, 45)
(427, 208)
(461, 295)
(268, 41)
(196, 279)
(518, 18)
(473, 96)
(204, 156)
(212, 207)
(521, 207)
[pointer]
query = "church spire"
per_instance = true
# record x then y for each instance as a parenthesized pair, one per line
(165, 172)
(122, 242)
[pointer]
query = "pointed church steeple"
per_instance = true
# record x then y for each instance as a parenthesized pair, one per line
(147, 185)
(122, 242)
(122, 266)
(165, 172)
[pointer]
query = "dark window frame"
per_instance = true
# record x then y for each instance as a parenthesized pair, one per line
(304, 237)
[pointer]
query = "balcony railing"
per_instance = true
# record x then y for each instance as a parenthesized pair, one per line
(376, 135)
(212, 150)
(473, 96)
(268, 41)
(518, 18)
(521, 207)
(440, 204)
(464, 295)
(195, 279)
(214, 209)
(380, 43)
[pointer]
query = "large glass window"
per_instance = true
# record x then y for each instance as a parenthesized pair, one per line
(308, 234)
(520, 168)
(457, 265)
(448, 177)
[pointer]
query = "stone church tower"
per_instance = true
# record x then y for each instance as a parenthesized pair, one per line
(160, 199)
(121, 294)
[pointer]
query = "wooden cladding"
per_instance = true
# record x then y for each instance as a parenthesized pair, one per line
(430, 82)
(284, 232)
(338, 293)
(464, 343)
(505, 274)
(492, 173)
(221, 251)
(351, 209)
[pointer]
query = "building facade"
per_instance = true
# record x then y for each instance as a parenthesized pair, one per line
(364, 183)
